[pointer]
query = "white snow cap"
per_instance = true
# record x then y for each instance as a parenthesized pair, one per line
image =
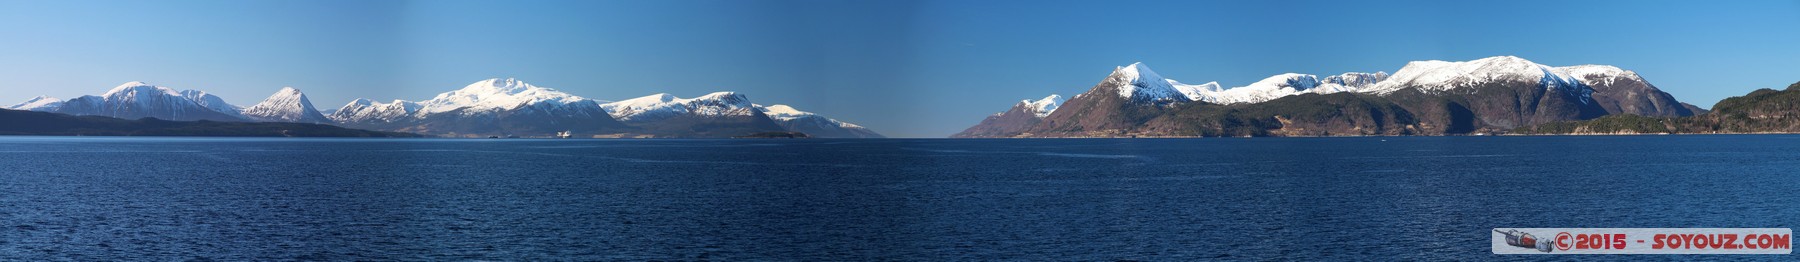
(37, 103)
(135, 88)
(661, 106)
(1138, 83)
(1042, 107)
(1598, 74)
(286, 105)
(1437, 76)
(365, 110)
(496, 94)
(786, 113)
(211, 101)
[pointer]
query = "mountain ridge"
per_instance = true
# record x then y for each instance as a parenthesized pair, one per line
(490, 107)
(1488, 95)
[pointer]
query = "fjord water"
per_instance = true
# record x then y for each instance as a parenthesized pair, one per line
(1433, 198)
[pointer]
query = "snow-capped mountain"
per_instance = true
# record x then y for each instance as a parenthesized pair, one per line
(365, 111)
(1441, 76)
(135, 100)
(813, 124)
(1350, 82)
(1267, 89)
(485, 108)
(39, 103)
(1147, 85)
(286, 105)
(1020, 117)
(1432, 97)
(1289, 84)
(494, 95)
(664, 106)
(1622, 91)
(512, 107)
(1043, 107)
(213, 102)
(719, 114)
(492, 107)
(1137, 83)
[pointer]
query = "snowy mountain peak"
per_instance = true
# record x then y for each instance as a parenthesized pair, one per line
(783, 112)
(1043, 107)
(365, 110)
(1598, 74)
(211, 101)
(726, 97)
(135, 88)
(1138, 83)
(660, 106)
(36, 103)
(497, 85)
(788, 113)
(496, 94)
(360, 102)
(1437, 76)
(812, 124)
(286, 105)
(1355, 79)
(290, 91)
(1295, 81)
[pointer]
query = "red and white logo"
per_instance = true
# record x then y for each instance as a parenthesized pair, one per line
(1643, 241)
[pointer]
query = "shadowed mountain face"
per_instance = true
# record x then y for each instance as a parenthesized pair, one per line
(821, 127)
(541, 119)
(139, 100)
(695, 126)
(53, 124)
(1624, 92)
(492, 107)
(1760, 111)
(1124, 101)
(1014, 121)
(1490, 95)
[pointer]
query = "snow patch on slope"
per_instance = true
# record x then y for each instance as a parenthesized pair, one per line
(1043, 107)
(286, 105)
(364, 110)
(787, 113)
(1597, 74)
(662, 106)
(213, 102)
(38, 104)
(1439, 76)
(1138, 83)
(1283, 85)
(495, 94)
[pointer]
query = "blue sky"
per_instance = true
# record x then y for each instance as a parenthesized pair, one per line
(903, 68)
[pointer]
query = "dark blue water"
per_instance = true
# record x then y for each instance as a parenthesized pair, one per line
(1413, 198)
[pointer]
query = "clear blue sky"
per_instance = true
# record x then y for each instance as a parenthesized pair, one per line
(903, 68)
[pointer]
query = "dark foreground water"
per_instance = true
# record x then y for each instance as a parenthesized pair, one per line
(1414, 198)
